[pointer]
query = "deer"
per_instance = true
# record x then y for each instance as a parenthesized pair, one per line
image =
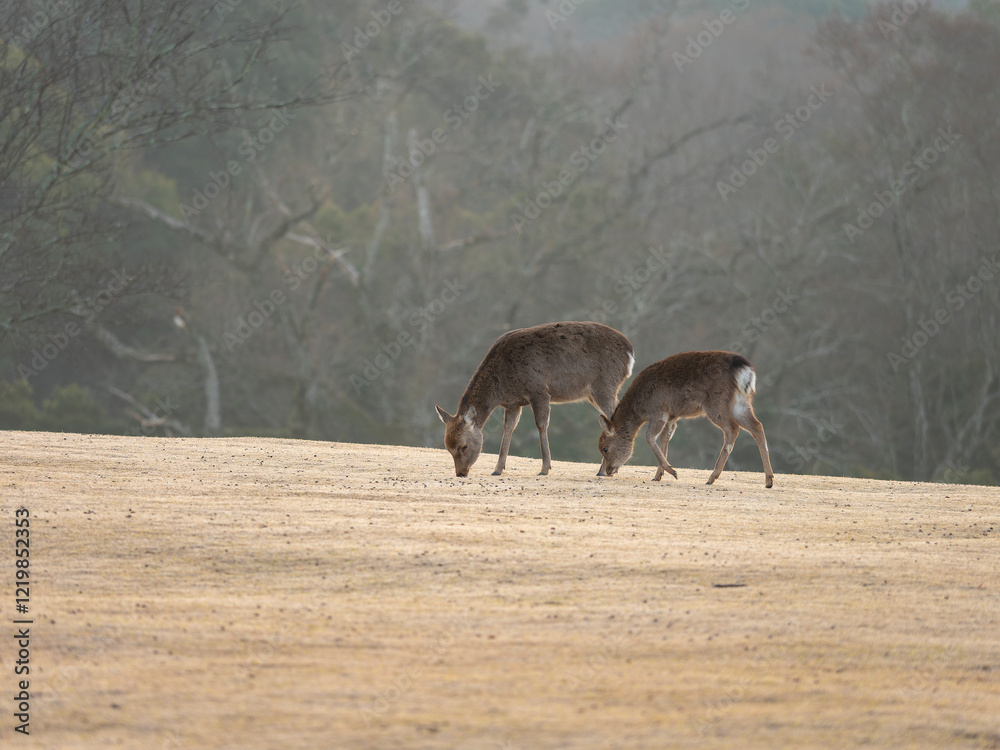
(718, 385)
(547, 364)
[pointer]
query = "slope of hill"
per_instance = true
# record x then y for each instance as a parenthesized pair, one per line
(261, 593)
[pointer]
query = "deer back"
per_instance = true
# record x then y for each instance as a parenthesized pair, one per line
(686, 385)
(562, 360)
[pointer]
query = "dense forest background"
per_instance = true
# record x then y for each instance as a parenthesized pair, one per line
(311, 219)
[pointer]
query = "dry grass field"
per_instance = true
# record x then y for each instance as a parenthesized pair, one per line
(260, 593)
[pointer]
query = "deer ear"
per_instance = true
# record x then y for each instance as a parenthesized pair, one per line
(606, 424)
(445, 416)
(470, 416)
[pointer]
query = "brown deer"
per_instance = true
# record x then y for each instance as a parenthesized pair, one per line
(717, 385)
(551, 363)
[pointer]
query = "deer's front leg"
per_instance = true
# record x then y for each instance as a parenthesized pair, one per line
(653, 430)
(510, 418)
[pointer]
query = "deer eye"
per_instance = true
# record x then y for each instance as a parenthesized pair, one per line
(463, 449)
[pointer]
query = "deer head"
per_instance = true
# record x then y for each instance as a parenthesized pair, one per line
(615, 445)
(462, 438)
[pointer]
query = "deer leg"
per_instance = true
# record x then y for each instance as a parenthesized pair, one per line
(605, 402)
(665, 436)
(510, 418)
(667, 433)
(749, 422)
(731, 430)
(653, 431)
(541, 411)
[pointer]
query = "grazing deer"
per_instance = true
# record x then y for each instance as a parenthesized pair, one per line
(551, 363)
(717, 385)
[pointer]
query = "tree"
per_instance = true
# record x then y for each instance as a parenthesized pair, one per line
(921, 229)
(85, 84)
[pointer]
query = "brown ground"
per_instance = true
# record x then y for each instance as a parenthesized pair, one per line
(252, 593)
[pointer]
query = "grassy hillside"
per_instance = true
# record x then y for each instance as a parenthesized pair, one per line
(261, 593)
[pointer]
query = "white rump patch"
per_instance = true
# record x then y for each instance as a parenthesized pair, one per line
(746, 380)
(740, 406)
(631, 364)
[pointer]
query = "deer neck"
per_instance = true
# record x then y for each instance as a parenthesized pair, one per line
(480, 397)
(627, 419)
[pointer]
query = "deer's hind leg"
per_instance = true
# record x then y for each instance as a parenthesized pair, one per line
(604, 399)
(731, 431)
(749, 422)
